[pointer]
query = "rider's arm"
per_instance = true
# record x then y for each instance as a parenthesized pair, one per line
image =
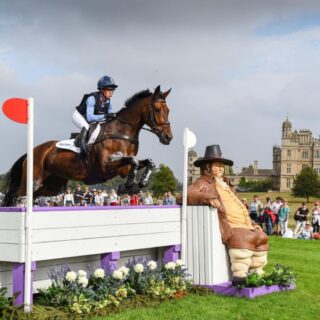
(91, 117)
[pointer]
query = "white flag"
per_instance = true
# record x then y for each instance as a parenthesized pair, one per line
(189, 139)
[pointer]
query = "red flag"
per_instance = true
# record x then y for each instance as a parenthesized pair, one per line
(16, 109)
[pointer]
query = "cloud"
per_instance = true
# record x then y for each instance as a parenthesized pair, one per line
(232, 84)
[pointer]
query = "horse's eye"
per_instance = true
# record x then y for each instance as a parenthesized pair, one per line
(157, 110)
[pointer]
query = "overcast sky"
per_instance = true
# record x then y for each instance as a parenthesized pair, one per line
(236, 69)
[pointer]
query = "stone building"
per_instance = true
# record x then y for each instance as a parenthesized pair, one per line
(252, 173)
(298, 149)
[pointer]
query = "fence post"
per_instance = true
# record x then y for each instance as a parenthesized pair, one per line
(18, 270)
(109, 261)
(172, 253)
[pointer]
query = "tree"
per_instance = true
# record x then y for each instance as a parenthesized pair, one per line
(163, 180)
(306, 184)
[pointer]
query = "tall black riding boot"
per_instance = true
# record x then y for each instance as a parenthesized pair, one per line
(83, 142)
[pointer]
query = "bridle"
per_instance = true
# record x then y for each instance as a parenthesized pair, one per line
(154, 126)
(151, 117)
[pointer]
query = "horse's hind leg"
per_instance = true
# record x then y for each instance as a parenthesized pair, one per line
(51, 186)
(149, 165)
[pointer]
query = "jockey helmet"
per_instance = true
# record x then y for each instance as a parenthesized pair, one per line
(106, 82)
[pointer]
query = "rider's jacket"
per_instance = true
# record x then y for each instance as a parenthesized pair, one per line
(92, 109)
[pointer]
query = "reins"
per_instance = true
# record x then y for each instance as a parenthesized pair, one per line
(151, 117)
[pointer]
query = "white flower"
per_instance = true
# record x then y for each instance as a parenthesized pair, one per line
(83, 281)
(99, 273)
(124, 270)
(82, 273)
(170, 266)
(138, 268)
(117, 274)
(152, 265)
(179, 263)
(71, 276)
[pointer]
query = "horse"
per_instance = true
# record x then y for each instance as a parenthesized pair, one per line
(112, 154)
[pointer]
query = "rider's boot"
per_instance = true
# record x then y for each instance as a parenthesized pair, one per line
(83, 143)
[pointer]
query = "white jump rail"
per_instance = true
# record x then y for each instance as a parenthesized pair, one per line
(100, 236)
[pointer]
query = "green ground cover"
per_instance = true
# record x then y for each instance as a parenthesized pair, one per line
(303, 303)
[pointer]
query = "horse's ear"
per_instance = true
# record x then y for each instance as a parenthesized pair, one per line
(165, 94)
(157, 91)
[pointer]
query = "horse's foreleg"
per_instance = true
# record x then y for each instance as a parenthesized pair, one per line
(133, 172)
(128, 160)
(149, 165)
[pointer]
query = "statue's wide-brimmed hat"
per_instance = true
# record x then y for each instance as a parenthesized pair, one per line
(213, 154)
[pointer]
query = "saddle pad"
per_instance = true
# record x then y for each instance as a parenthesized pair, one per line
(68, 145)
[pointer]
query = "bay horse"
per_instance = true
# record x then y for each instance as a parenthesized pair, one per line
(113, 153)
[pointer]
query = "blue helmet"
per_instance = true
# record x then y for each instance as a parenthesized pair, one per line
(106, 82)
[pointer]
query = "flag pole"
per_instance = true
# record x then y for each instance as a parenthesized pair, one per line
(28, 217)
(189, 140)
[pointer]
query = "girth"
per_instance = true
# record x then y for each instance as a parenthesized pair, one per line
(117, 136)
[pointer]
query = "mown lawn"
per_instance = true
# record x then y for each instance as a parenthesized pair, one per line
(303, 303)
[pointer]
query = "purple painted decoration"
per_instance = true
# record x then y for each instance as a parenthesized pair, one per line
(227, 289)
(18, 281)
(109, 261)
(172, 253)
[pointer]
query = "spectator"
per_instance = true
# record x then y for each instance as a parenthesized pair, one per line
(245, 203)
(268, 216)
(316, 217)
(160, 201)
(168, 200)
(125, 200)
(87, 196)
(148, 200)
(255, 209)
(305, 232)
(104, 196)
(78, 195)
(68, 199)
(275, 209)
(284, 217)
(134, 200)
(300, 217)
(113, 198)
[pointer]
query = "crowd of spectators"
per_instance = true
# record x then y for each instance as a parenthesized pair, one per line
(85, 196)
(273, 218)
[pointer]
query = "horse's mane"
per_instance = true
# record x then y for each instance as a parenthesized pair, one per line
(137, 96)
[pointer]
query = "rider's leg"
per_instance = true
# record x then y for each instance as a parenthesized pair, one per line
(80, 122)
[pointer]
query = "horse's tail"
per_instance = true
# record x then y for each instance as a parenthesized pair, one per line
(12, 182)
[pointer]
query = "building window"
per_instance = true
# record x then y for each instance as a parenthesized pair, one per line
(304, 166)
(305, 154)
(317, 154)
(288, 183)
(288, 167)
(288, 153)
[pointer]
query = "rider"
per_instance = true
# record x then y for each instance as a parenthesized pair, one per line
(94, 107)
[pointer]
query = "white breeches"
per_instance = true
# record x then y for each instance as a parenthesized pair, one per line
(79, 121)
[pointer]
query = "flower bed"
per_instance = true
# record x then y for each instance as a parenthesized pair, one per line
(83, 292)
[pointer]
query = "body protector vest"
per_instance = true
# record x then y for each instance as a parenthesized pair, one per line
(99, 108)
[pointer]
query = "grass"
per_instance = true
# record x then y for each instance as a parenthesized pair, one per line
(303, 303)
